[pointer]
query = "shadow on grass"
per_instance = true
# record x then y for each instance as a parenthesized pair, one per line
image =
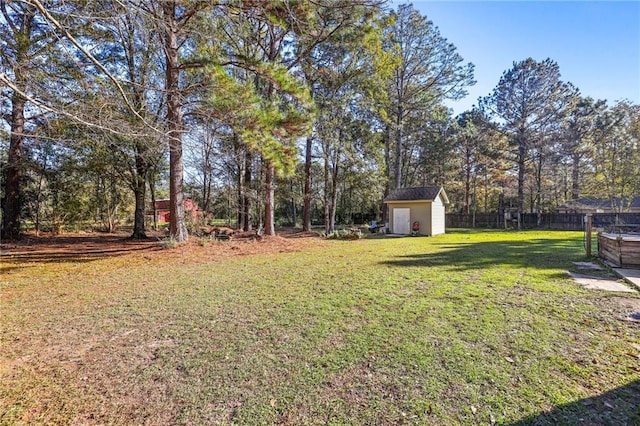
(535, 253)
(620, 406)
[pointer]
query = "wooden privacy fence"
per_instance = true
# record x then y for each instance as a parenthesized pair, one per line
(482, 220)
(625, 222)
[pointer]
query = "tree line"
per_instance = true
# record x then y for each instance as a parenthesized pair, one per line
(279, 112)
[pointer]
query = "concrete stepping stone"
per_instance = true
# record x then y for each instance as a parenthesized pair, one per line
(600, 283)
(630, 275)
(588, 266)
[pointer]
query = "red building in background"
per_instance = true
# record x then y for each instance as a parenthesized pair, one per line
(162, 210)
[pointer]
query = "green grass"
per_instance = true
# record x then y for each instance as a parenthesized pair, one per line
(473, 327)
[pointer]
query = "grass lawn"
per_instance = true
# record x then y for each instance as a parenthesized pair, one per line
(473, 327)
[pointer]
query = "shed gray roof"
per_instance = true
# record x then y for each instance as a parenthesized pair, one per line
(419, 193)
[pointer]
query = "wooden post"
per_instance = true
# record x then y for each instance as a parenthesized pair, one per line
(589, 218)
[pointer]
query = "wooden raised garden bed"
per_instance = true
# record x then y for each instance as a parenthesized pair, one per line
(622, 250)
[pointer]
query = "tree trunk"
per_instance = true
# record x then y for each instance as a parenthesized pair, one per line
(349, 205)
(294, 210)
(177, 227)
(387, 170)
(306, 221)
(467, 182)
(246, 201)
(152, 190)
(112, 201)
(334, 192)
(521, 173)
(12, 203)
(269, 201)
(539, 164)
(532, 199)
(206, 183)
(485, 208)
(38, 207)
(140, 195)
(12, 200)
(260, 196)
(269, 205)
(474, 199)
(575, 177)
(398, 170)
(240, 193)
(327, 222)
(139, 215)
(141, 154)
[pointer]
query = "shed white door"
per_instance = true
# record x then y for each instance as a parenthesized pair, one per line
(401, 221)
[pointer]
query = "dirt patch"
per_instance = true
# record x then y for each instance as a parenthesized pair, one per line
(87, 246)
(621, 308)
(629, 309)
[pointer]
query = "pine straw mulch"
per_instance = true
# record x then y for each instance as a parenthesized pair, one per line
(92, 246)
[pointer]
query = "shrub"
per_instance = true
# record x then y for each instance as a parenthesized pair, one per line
(345, 234)
(169, 242)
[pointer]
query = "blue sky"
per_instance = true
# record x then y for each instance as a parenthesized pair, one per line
(595, 43)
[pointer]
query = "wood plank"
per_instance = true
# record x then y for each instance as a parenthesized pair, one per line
(621, 250)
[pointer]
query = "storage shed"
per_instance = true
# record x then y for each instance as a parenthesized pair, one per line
(419, 210)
